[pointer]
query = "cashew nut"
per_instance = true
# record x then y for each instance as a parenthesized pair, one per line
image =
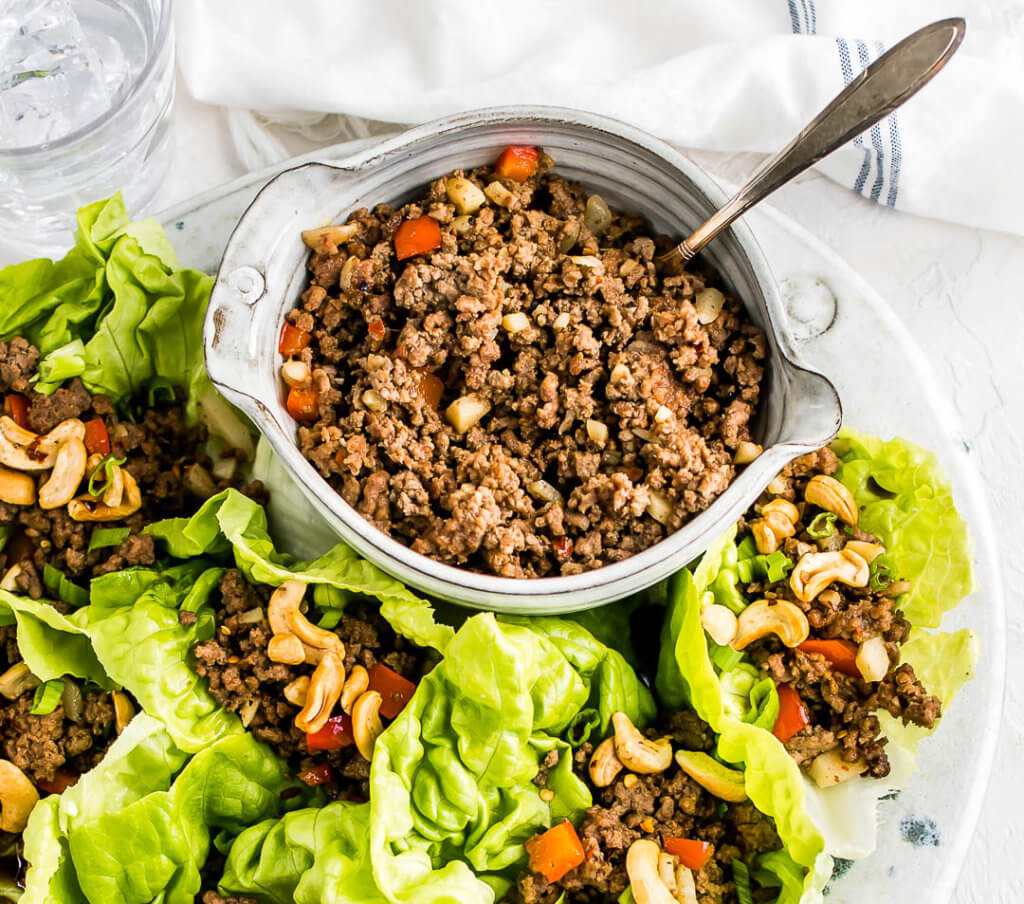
(366, 724)
(124, 712)
(637, 753)
(686, 888)
(17, 798)
(358, 681)
(867, 551)
(17, 434)
(9, 581)
(816, 570)
(831, 769)
(829, 494)
(285, 617)
(17, 679)
(778, 520)
(86, 508)
(644, 876)
(324, 691)
(114, 492)
(667, 864)
(872, 659)
(16, 488)
(725, 783)
(67, 474)
(296, 692)
(286, 649)
(329, 237)
(720, 622)
(30, 457)
(764, 617)
(604, 764)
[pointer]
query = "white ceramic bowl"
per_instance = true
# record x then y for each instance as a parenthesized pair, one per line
(263, 272)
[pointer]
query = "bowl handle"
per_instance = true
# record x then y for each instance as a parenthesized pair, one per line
(813, 410)
(251, 283)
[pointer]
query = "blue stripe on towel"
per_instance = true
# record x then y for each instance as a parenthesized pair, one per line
(794, 18)
(895, 147)
(846, 65)
(876, 131)
(814, 18)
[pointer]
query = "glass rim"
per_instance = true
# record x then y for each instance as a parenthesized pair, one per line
(161, 37)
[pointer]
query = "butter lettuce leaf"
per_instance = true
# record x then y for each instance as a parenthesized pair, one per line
(232, 523)
(906, 500)
(50, 644)
(117, 311)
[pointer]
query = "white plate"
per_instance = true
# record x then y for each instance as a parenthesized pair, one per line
(847, 331)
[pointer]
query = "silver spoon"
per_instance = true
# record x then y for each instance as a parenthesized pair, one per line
(893, 78)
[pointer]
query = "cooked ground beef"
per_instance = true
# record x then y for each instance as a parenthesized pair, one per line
(670, 805)
(41, 745)
(244, 680)
(159, 449)
(614, 393)
(842, 709)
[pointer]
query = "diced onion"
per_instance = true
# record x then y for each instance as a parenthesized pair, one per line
(597, 215)
(541, 489)
(466, 411)
(515, 322)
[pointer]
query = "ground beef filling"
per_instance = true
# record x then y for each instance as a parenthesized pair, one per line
(670, 805)
(42, 746)
(245, 681)
(842, 709)
(159, 450)
(612, 410)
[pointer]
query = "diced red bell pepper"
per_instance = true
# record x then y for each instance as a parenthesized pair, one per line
(395, 691)
(517, 163)
(62, 780)
(841, 653)
(377, 329)
(417, 237)
(562, 547)
(336, 733)
(17, 407)
(556, 851)
(97, 440)
(301, 404)
(793, 715)
(692, 854)
(293, 340)
(316, 774)
(431, 388)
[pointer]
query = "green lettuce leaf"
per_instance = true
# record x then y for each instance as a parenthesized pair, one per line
(907, 501)
(130, 831)
(232, 522)
(50, 644)
(145, 648)
(142, 759)
(116, 311)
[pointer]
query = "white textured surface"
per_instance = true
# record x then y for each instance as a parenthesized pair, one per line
(961, 293)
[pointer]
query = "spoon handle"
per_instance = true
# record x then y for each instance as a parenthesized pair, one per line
(892, 79)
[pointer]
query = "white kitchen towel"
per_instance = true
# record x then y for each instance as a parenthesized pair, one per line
(724, 75)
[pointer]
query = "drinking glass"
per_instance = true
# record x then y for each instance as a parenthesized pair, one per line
(86, 90)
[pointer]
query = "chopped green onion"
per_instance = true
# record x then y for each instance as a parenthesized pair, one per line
(330, 619)
(724, 658)
(5, 534)
(582, 726)
(745, 570)
(47, 697)
(57, 582)
(747, 548)
(880, 575)
(774, 566)
(106, 466)
(823, 525)
(741, 879)
(160, 390)
(108, 536)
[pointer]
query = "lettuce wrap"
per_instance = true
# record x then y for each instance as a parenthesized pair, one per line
(906, 501)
